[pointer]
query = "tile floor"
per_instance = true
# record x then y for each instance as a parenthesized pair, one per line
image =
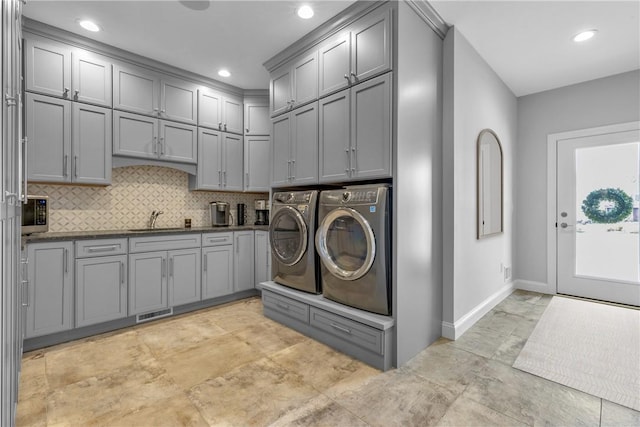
(231, 366)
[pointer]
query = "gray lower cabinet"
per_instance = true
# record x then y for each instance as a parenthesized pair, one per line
(50, 276)
(244, 278)
(217, 265)
(163, 272)
(355, 132)
(101, 280)
(262, 256)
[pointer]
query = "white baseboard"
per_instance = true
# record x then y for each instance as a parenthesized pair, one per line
(455, 330)
(528, 285)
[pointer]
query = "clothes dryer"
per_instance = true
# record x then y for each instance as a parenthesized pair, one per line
(354, 245)
(291, 231)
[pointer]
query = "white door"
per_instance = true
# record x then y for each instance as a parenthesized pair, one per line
(597, 217)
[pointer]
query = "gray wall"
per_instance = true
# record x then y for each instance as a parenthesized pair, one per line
(417, 186)
(475, 98)
(610, 100)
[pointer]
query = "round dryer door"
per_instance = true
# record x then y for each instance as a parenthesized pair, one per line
(346, 244)
(288, 236)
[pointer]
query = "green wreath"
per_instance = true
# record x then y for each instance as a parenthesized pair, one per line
(623, 205)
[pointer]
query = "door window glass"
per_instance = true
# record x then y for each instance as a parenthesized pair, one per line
(286, 238)
(347, 243)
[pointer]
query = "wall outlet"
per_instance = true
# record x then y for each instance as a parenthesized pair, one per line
(507, 273)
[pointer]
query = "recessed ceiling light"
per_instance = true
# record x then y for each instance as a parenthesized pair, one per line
(224, 73)
(89, 25)
(584, 35)
(305, 12)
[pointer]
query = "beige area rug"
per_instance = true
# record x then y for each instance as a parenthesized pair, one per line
(588, 346)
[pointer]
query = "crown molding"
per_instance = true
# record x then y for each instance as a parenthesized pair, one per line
(429, 15)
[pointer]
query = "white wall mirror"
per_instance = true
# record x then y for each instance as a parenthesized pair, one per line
(490, 185)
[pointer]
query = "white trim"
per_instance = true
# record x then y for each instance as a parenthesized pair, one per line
(453, 331)
(528, 285)
(552, 143)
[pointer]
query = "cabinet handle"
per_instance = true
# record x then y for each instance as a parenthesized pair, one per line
(205, 263)
(75, 166)
(102, 248)
(341, 328)
(353, 160)
(171, 267)
(288, 170)
(64, 261)
(293, 169)
(25, 281)
(346, 151)
(155, 145)
(246, 179)
(346, 76)
(247, 130)
(163, 111)
(219, 125)
(224, 178)
(155, 110)
(25, 158)
(25, 286)
(355, 78)
(65, 94)
(219, 177)
(225, 127)
(162, 146)
(163, 267)
(64, 164)
(75, 94)
(122, 272)
(282, 306)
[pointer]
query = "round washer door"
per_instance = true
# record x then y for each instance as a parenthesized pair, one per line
(288, 236)
(346, 244)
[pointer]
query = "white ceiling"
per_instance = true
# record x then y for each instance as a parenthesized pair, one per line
(527, 43)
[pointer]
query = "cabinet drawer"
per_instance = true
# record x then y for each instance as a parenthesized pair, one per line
(217, 239)
(286, 306)
(162, 243)
(353, 332)
(101, 247)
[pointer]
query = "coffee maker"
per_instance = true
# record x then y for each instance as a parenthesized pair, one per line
(219, 214)
(262, 212)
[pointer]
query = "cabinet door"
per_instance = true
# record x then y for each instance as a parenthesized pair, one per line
(135, 135)
(92, 78)
(280, 93)
(232, 115)
(179, 101)
(256, 163)
(305, 79)
(371, 128)
(209, 109)
(334, 58)
(91, 140)
(233, 163)
(136, 90)
(147, 282)
(209, 171)
(178, 142)
(184, 276)
(334, 132)
(256, 119)
(371, 45)
(244, 262)
(262, 256)
(101, 289)
(50, 275)
(281, 153)
(49, 134)
(304, 144)
(217, 271)
(48, 68)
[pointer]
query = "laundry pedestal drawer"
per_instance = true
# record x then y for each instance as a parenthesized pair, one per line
(356, 333)
(286, 306)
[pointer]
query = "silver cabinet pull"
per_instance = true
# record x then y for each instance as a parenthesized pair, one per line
(565, 225)
(162, 268)
(155, 111)
(355, 78)
(204, 268)
(75, 94)
(353, 160)
(162, 147)
(247, 130)
(75, 166)
(219, 125)
(341, 328)
(64, 261)
(102, 248)
(246, 179)
(237, 245)
(155, 145)
(171, 267)
(346, 151)
(293, 169)
(288, 169)
(64, 164)
(24, 170)
(25, 289)
(282, 305)
(225, 127)
(65, 94)
(163, 111)
(346, 76)
(224, 177)
(122, 272)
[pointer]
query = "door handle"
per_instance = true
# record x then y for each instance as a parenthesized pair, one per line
(171, 267)
(205, 263)
(64, 164)
(162, 268)
(75, 166)
(122, 272)
(565, 225)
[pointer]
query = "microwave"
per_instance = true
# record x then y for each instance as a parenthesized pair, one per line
(35, 215)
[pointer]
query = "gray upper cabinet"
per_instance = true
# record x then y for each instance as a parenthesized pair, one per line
(50, 288)
(294, 157)
(256, 164)
(256, 119)
(140, 136)
(178, 101)
(48, 68)
(355, 132)
(220, 162)
(91, 78)
(136, 90)
(59, 70)
(220, 111)
(61, 153)
(361, 52)
(244, 278)
(294, 84)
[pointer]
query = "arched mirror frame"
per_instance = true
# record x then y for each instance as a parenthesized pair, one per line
(479, 181)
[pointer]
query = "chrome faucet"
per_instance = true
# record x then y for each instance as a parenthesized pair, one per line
(153, 218)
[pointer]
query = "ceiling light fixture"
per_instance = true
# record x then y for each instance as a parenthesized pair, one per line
(584, 35)
(224, 73)
(89, 25)
(305, 12)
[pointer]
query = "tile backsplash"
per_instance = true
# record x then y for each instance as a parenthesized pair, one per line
(128, 202)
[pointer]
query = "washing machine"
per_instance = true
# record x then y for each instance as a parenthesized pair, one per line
(291, 233)
(354, 246)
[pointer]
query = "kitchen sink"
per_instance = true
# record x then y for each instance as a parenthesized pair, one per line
(157, 229)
